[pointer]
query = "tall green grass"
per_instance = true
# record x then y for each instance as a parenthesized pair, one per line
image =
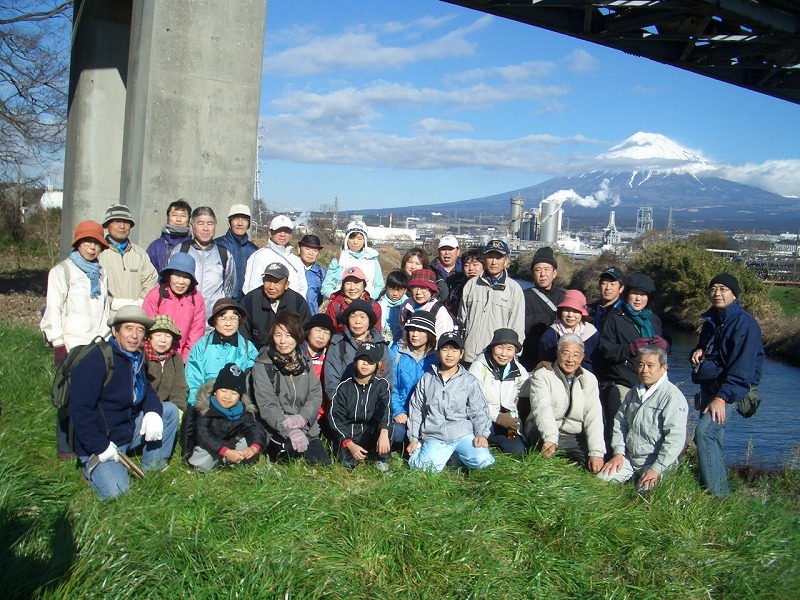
(528, 528)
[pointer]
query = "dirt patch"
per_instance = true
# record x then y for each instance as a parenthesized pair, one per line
(21, 309)
(22, 296)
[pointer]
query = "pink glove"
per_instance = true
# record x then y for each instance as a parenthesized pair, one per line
(294, 422)
(299, 440)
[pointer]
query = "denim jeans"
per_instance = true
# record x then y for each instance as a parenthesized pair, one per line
(708, 436)
(433, 455)
(499, 438)
(110, 479)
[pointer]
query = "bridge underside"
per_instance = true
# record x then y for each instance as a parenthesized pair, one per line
(754, 44)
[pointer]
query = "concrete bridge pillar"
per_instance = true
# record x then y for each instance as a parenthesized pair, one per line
(189, 112)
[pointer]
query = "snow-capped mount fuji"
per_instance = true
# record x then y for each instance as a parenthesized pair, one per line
(647, 169)
(653, 151)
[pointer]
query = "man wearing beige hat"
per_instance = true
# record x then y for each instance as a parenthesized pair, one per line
(279, 248)
(238, 243)
(130, 271)
(111, 420)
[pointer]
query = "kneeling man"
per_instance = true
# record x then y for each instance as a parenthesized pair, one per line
(565, 408)
(123, 415)
(650, 425)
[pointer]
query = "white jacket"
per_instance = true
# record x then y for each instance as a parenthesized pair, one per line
(499, 393)
(258, 261)
(551, 411)
(71, 318)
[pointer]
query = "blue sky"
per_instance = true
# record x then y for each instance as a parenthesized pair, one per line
(404, 102)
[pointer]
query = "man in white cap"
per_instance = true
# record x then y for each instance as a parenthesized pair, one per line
(130, 272)
(448, 269)
(126, 413)
(238, 243)
(279, 248)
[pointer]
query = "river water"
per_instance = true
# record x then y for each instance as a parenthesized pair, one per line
(772, 432)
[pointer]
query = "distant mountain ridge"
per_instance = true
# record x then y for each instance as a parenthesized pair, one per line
(646, 169)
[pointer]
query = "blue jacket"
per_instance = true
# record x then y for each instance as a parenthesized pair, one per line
(315, 275)
(95, 428)
(210, 354)
(241, 249)
(160, 248)
(733, 353)
(407, 372)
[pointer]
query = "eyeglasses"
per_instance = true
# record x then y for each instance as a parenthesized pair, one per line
(718, 289)
(91, 243)
(230, 319)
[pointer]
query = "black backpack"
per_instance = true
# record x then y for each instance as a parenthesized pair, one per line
(223, 253)
(62, 382)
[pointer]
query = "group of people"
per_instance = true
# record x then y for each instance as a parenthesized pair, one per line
(263, 351)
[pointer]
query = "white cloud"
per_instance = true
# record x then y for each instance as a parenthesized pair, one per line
(412, 27)
(361, 50)
(507, 73)
(779, 176)
(580, 61)
(436, 126)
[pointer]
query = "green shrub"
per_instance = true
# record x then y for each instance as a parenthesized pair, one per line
(681, 271)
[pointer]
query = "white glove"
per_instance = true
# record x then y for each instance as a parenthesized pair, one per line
(109, 453)
(152, 427)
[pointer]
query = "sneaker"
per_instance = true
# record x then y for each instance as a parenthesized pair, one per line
(382, 466)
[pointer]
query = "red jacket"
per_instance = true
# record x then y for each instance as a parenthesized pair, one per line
(338, 305)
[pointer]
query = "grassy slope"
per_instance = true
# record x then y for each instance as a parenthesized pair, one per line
(788, 298)
(531, 528)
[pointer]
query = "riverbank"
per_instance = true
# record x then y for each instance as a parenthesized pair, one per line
(523, 528)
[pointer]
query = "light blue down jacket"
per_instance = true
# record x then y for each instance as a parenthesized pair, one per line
(407, 372)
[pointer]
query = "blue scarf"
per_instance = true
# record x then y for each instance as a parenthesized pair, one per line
(91, 269)
(641, 320)
(232, 414)
(121, 247)
(137, 362)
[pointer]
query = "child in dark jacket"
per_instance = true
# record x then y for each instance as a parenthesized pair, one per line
(226, 429)
(164, 363)
(360, 417)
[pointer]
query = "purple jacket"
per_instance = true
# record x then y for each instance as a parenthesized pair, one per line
(161, 247)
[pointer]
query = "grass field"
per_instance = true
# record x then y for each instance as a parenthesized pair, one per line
(788, 298)
(528, 528)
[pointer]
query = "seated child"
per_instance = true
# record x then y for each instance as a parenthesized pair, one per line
(391, 301)
(412, 355)
(423, 294)
(448, 413)
(226, 429)
(503, 379)
(164, 364)
(360, 418)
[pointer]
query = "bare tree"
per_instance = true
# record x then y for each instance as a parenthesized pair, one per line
(34, 69)
(323, 224)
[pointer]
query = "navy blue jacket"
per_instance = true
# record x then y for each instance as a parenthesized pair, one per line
(240, 249)
(617, 365)
(94, 428)
(733, 353)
